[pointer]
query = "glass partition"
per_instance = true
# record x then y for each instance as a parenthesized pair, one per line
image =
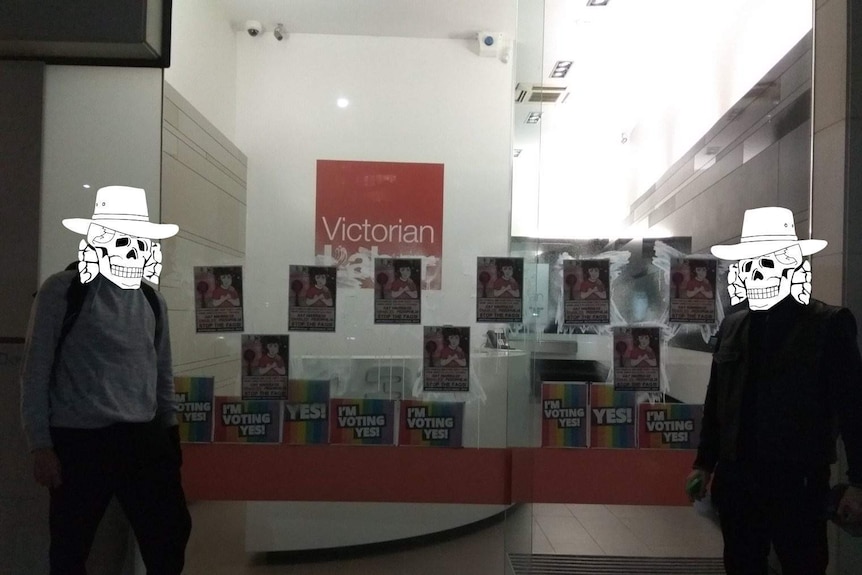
(595, 149)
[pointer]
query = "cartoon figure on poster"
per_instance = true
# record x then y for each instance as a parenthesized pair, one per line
(264, 366)
(692, 297)
(447, 358)
(397, 297)
(312, 301)
(637, 359)
(498, 290)
(98, 402)
(786, 378)
(586, 292)
(218, 301)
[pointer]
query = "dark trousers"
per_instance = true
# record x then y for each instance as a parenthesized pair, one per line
(786, 509)
(139, 463)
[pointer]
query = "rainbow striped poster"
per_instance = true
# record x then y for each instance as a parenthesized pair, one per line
(195, 408)
(564, 414)
(669, 425)
(362, 421)
(430, 423)
(305, 412)
(250, 421)
(612, 417)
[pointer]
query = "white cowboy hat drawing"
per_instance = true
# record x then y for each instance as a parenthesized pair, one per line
(123, 209)
(764, 231)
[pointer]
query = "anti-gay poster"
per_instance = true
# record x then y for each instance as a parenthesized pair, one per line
(313, 298)
(612, 417)
(264, 366)
(692, 290)
(637, 359)
(669, 425)
(564, 415)
(305, 412)
(195, 408)
(428, 423)
(446, 366)
(218, 299)
(254, 421)
(499, 298)
(366, 210)
(362, 421)
(398, 290)
(587, 292)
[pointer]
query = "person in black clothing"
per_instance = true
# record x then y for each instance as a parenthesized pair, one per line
(786, 378)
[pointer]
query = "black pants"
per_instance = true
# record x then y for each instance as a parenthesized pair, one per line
(139, 463)
(786, 509)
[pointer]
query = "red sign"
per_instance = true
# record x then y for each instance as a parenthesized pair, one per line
(367, 210)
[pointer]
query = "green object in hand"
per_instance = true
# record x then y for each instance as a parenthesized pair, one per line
(694, 485)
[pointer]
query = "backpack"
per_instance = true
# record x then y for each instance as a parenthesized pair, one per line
(75, 302)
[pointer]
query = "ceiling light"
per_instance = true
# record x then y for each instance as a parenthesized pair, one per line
(533, 118)
(86, 186)
(597, 2)
(561, 68)
(342, 102)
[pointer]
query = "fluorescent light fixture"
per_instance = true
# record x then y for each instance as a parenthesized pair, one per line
(533, 118)
(597, 2)
(342, 102)
(561, 68)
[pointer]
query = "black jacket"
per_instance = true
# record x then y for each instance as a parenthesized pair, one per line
(782, 398)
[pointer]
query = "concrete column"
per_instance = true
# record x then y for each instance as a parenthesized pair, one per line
(836, 203)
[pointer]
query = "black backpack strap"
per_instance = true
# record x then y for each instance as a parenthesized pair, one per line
(154, 303)
(74, 303)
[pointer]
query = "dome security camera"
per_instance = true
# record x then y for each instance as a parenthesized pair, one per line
(253, 27)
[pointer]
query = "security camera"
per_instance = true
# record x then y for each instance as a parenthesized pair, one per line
(253, 27)
(279, 32)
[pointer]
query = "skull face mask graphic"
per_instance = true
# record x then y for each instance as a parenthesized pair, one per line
(120, 243)
(770, 260)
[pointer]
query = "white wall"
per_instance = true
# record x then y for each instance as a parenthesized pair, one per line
(203, 60)
(102, 126)
(413, 100)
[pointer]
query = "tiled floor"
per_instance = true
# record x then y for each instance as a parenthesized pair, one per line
(217, 548)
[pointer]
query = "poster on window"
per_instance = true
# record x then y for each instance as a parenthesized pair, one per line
(564, 414)
(362, 421)
(586, 286)
(306, 408)
(637, 362)
(312, 298)
(431, 423)
(398, 291)
(446, 365)
(692, 291)
(194, 396)
(366, 210)
(612, 417)
(264, 366)
(498, 290)
(669, 425)
(218, 298)
(240, 421)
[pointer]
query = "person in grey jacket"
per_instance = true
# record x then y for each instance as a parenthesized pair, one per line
(98, 407)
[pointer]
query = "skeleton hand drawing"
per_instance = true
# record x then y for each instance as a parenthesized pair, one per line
(88, 262)
(153, 266)
(735, 287)
(800, 283)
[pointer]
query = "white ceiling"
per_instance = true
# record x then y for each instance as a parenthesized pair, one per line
(640, 67)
